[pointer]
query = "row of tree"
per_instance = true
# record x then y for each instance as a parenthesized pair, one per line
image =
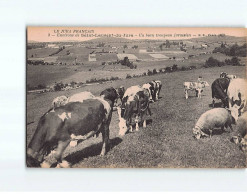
(234, 50)
(212, 62)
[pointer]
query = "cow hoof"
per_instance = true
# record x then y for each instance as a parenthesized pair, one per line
(102, 154)
(45, 164)
(73, 143)
(63, 164)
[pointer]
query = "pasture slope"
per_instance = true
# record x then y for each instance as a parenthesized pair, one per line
(167, 141)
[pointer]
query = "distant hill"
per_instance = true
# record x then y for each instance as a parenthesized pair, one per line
(109, 40)
(213, 39)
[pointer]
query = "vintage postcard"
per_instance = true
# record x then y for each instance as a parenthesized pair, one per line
(119, 97)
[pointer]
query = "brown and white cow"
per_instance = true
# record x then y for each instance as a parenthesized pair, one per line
(157, 89)
(71, 122)
(237, 94)
(135, 104)
(195, 86)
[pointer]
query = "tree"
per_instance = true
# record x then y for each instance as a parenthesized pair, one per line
(235, 61)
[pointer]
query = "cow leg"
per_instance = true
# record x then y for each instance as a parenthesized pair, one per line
(59, 152)
(136, 122)
(105, 139)
(213, 102)
(186, 94)
(210, 133)
(144, 123)
(149, 111)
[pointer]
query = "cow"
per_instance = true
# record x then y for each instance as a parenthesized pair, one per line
(157, 89)
(237, 93)
(219, 90)
(135, 104)
(195, 86)
(71, 122)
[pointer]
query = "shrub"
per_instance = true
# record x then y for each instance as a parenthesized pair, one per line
(128, 76)
(154, 71)
(174, 67)
(183, 68)
(149, 72)
(168, 69)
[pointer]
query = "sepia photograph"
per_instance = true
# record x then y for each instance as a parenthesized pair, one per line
(136, 97)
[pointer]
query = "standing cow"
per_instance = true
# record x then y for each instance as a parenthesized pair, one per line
(219, 90)
(157, 89)
(135, 104)
(237, 94)
(71, 122)
(195, 86)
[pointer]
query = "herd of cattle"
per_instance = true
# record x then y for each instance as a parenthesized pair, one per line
(83, 115)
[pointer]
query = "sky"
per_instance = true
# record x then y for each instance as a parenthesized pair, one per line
(53, 34)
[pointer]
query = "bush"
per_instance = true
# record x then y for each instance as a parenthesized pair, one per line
(174, 67)
(154, 71)
(212, 62)
(183, 68)
(168, 69)
(149, 72)
(128, 76)
(235, 61)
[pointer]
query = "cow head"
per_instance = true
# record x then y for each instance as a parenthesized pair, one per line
(205, 83)
(125, 114)
(110, 94)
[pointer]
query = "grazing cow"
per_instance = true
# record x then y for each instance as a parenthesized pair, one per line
(80, 97)
(219, 90)
(216, 117)
(195, 86)
(135, 104)
(71, 122)
(237, 93)
(241, 130)
(59, 101)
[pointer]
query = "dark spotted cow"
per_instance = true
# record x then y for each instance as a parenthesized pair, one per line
(70, 123)
(135, 104)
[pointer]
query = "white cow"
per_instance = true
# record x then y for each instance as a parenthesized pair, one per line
(237, 93)
(195, 86)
